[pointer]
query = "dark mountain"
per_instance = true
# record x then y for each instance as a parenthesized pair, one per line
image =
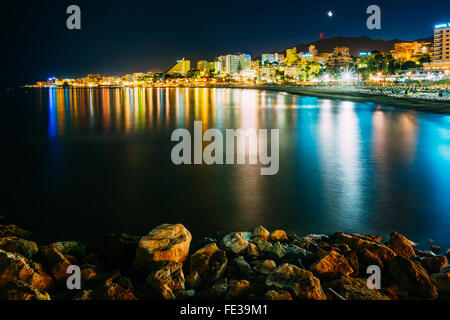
(356, 45)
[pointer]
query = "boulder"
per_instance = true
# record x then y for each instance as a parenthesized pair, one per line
(252, 250)
(278, 295)
(23, 247)
(266, 266)
(279, 235)
(301, 282)
(13, 231)
(442, 280)
(434, 264)
(401, 245)
(168, 279)
(15, 267)
(331, 266)
(278, 250)
(237, 289)
(261, 232)
(367, 258)
(412, 277)
(19, 290)
(263, 246)
(167, 242)
(356, 289)
(57, 263)
(210, 262)
(237, 242)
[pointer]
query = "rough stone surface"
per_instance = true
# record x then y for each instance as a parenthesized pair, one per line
(236, 289)
(23, 247)
(237, 242)
(167, 242)
(434, 264)
(266, 266)
(411, 276)
(19, 290)
(356, 289)
(13, 231)
(210, 262)
(15, 267)
(261, 232)
(301, 282)
(332, 265)
(401, 245)
(56, 262)
(167, 280)
(193, 280)
(278, 235)
(442, 280)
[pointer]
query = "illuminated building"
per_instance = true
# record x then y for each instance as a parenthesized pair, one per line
(201, 65)
(441, 57)
(291, 56)
(312, 49)
(182, 67)
(410, 50)
(341, 57)
(271, 58)
(245, 61)
(233, 63)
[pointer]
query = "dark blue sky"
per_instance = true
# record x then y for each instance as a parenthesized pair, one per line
(130, 36)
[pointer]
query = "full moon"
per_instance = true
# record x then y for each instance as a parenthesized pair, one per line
(330, 14)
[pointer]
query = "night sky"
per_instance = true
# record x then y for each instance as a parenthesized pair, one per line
(120, 37)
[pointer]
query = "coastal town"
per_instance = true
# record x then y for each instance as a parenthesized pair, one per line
(421, 62)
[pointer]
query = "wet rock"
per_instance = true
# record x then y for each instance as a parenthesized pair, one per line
(57, 263)
(84, 295)
(401, 245)
(210, 262)
(434, 264)
(23, 247)
(193, 280)
(184, 294)
(13, 231)
(278, 250)
(167, 279)
(119, 249)
(266, 266)
(19, 290)
(264, 246)
(237, 242)
(301, 282)
(352, 259)
(331, 266)
(261, 232)
(241, 264)
(367, 258)
(279, 235)
(423, 253)
(436, 249)
(237, 289)
(15, 267)
(411, 276)
(89, 272)
(356, 289)
(167, 242)
(442, 280)
(278, 295)
(113, 291)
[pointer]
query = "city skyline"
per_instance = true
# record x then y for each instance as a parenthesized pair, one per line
(118, 39)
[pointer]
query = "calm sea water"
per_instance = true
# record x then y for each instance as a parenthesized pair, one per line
(77, 164)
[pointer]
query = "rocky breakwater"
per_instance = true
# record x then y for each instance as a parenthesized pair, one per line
(167, 265)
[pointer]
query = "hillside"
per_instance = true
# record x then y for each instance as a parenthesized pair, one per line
(356, 45)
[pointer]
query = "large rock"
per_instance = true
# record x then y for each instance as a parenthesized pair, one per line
(279, 235)
(19, 290)
(434, 264)
(237, 289)
(356, 289)
(167, 280)
(15, 267)
(210, 262)
(401, 245)
(13, 231)
(23, 247)
(331, 266)
(167, 242)
(278, 295)
(442, 280)
(411, 276)
(261, 232)
(72, 248)
(57, 263)
(237, 242)
(266, 266)
(301, 282)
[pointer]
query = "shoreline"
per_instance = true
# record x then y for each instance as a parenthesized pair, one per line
(405, 103)
(168, 264)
